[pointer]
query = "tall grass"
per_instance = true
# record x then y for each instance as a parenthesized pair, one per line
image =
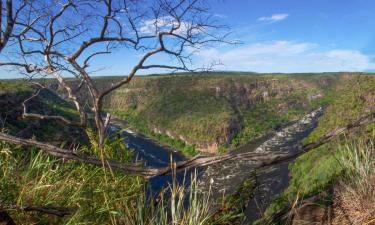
(177, 204)
(355, 195)
(38, 179)
(358, 160)
(98, 195)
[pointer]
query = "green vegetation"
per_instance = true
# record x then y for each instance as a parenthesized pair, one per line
(358, 158)
(190, 113)
(12, 86)
(231, 207)
(46, 103)
(97, 195)
(216, 111)
(315, 171)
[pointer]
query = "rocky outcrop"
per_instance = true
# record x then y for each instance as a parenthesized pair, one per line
(240, 94)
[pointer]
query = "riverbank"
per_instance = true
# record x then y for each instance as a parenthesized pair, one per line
(226, 179)
(121, 126)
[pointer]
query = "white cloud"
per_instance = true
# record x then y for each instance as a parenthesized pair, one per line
(165, 23)
(287, 56)
(274, 17)
(221, 16)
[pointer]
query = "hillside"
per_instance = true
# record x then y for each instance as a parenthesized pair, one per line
(338, 176)
(211, 113)
(12, 95)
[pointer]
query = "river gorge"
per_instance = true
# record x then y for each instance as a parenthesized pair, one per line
(226, 177)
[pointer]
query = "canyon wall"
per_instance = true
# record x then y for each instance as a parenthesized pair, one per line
(211, 111)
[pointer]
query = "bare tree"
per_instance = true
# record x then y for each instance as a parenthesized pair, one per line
(62, 38)
(70, 34)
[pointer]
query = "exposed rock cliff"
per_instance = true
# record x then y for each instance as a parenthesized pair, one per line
(214, 111)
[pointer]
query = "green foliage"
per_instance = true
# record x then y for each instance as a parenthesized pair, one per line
(173, 209)
(12, 86)
(358, 159)
(99, 196)
(316, 170)
(231, 207)
(114, 147)
(210, 108)
(257, 121)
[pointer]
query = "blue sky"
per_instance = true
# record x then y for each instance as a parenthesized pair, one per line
(299, 35)
(281, 36)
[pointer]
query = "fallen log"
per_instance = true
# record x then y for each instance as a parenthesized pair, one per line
(259, 159)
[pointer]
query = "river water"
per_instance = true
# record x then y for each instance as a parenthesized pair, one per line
(150, 152)
(225, 178)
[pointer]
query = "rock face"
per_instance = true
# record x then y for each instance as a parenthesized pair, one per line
(209, 112)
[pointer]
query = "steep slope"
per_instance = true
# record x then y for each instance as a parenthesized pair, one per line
(326, 173)
(213, 112)
(14, 92)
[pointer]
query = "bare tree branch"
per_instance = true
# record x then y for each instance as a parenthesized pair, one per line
(260, 160)
(50, 43)
(62, 119)
(52, 210)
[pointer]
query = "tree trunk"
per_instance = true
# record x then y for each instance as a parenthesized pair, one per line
(100, 125)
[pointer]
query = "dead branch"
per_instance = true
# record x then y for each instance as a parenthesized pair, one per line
(260, 160)
(70, 155)
(61, 119)
(52, 210)
(57, 45)
(6, 34)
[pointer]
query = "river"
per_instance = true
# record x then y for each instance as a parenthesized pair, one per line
(225, 178)
(150, 152)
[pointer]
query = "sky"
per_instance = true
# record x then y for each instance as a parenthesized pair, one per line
(299, 35)
(280, 36)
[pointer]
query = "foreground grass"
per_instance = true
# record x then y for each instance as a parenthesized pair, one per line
(97, 195)
(355, 195)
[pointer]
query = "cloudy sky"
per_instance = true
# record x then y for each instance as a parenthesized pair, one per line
(298, 35)
(294, 36)
(282, 36)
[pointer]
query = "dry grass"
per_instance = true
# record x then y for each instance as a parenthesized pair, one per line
(355, 196)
